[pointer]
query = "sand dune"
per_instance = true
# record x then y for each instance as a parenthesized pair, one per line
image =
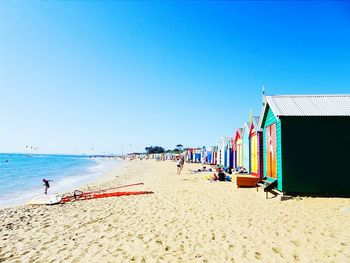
(188, 219)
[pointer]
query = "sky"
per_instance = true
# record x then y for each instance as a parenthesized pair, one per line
(116, 76)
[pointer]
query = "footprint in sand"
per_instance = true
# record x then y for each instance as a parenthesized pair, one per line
(296, 257)
(257, 255)
(277, 250)
(295, 243)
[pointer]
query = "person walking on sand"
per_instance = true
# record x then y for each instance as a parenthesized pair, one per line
(46, 184)
(180, 164)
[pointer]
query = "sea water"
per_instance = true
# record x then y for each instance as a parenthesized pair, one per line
(21, 175)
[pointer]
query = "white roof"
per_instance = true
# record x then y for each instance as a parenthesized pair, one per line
(309, 105)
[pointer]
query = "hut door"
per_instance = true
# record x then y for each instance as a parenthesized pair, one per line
(271, 151)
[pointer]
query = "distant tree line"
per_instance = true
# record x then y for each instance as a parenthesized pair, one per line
(154, 149)
(159, 149)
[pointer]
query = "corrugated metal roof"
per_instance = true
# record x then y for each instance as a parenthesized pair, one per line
(309, 105)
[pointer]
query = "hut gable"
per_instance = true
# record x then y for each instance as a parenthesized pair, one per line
(238, 134)
(254, 126)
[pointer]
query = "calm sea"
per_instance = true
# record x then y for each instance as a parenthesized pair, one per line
(21, 174)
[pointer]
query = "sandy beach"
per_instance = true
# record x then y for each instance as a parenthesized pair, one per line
(187, 219)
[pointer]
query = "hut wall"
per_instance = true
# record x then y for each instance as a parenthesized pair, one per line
(254, 153)
(234, 160)
(312, 163)
(239, 152)
(246, 150)
(260, 154)
(269, 120)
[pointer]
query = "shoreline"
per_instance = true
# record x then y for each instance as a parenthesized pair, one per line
(187, 219)
(85, 183)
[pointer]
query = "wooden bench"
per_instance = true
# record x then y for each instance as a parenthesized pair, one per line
(246, 180)
(268, 186)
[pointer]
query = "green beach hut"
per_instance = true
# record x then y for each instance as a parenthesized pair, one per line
(306, 143)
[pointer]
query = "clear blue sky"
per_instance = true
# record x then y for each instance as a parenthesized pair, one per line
(124, 75)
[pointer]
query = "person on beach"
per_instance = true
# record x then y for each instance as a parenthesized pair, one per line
(46, 184)
(180, 164)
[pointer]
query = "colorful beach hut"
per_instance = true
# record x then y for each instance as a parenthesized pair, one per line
(239, 148)
(204, 155)
(190, 154)
(246, 146)
(295, 150)
(215, 155)
(197, 153)
(229, 153)
(255, 147)
(233, 143)
(225, 151)
(220, 159)
(209, 159)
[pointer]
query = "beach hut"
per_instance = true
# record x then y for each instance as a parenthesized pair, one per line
(223, 157)
(246, 146)
(255, 147)
(228, 153)
(233, 143)
(215, 155)
(197, 152)
(296, 151)
(219, 154)
(204, 155)
(224, 148)
(209, 155)
(239, 147)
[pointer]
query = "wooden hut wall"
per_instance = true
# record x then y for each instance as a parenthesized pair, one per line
(233, 142)
(239, 150)
(253, 140)
(272, 154)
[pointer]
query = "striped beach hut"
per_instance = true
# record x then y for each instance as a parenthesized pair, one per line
(255, 147)
(239, 147)
(295, 128)
(246, 146)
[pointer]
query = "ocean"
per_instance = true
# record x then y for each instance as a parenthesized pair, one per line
(21, 174)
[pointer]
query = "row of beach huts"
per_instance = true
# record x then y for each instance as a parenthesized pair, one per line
(299, 143)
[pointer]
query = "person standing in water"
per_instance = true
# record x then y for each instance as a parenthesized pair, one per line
(46, 184)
